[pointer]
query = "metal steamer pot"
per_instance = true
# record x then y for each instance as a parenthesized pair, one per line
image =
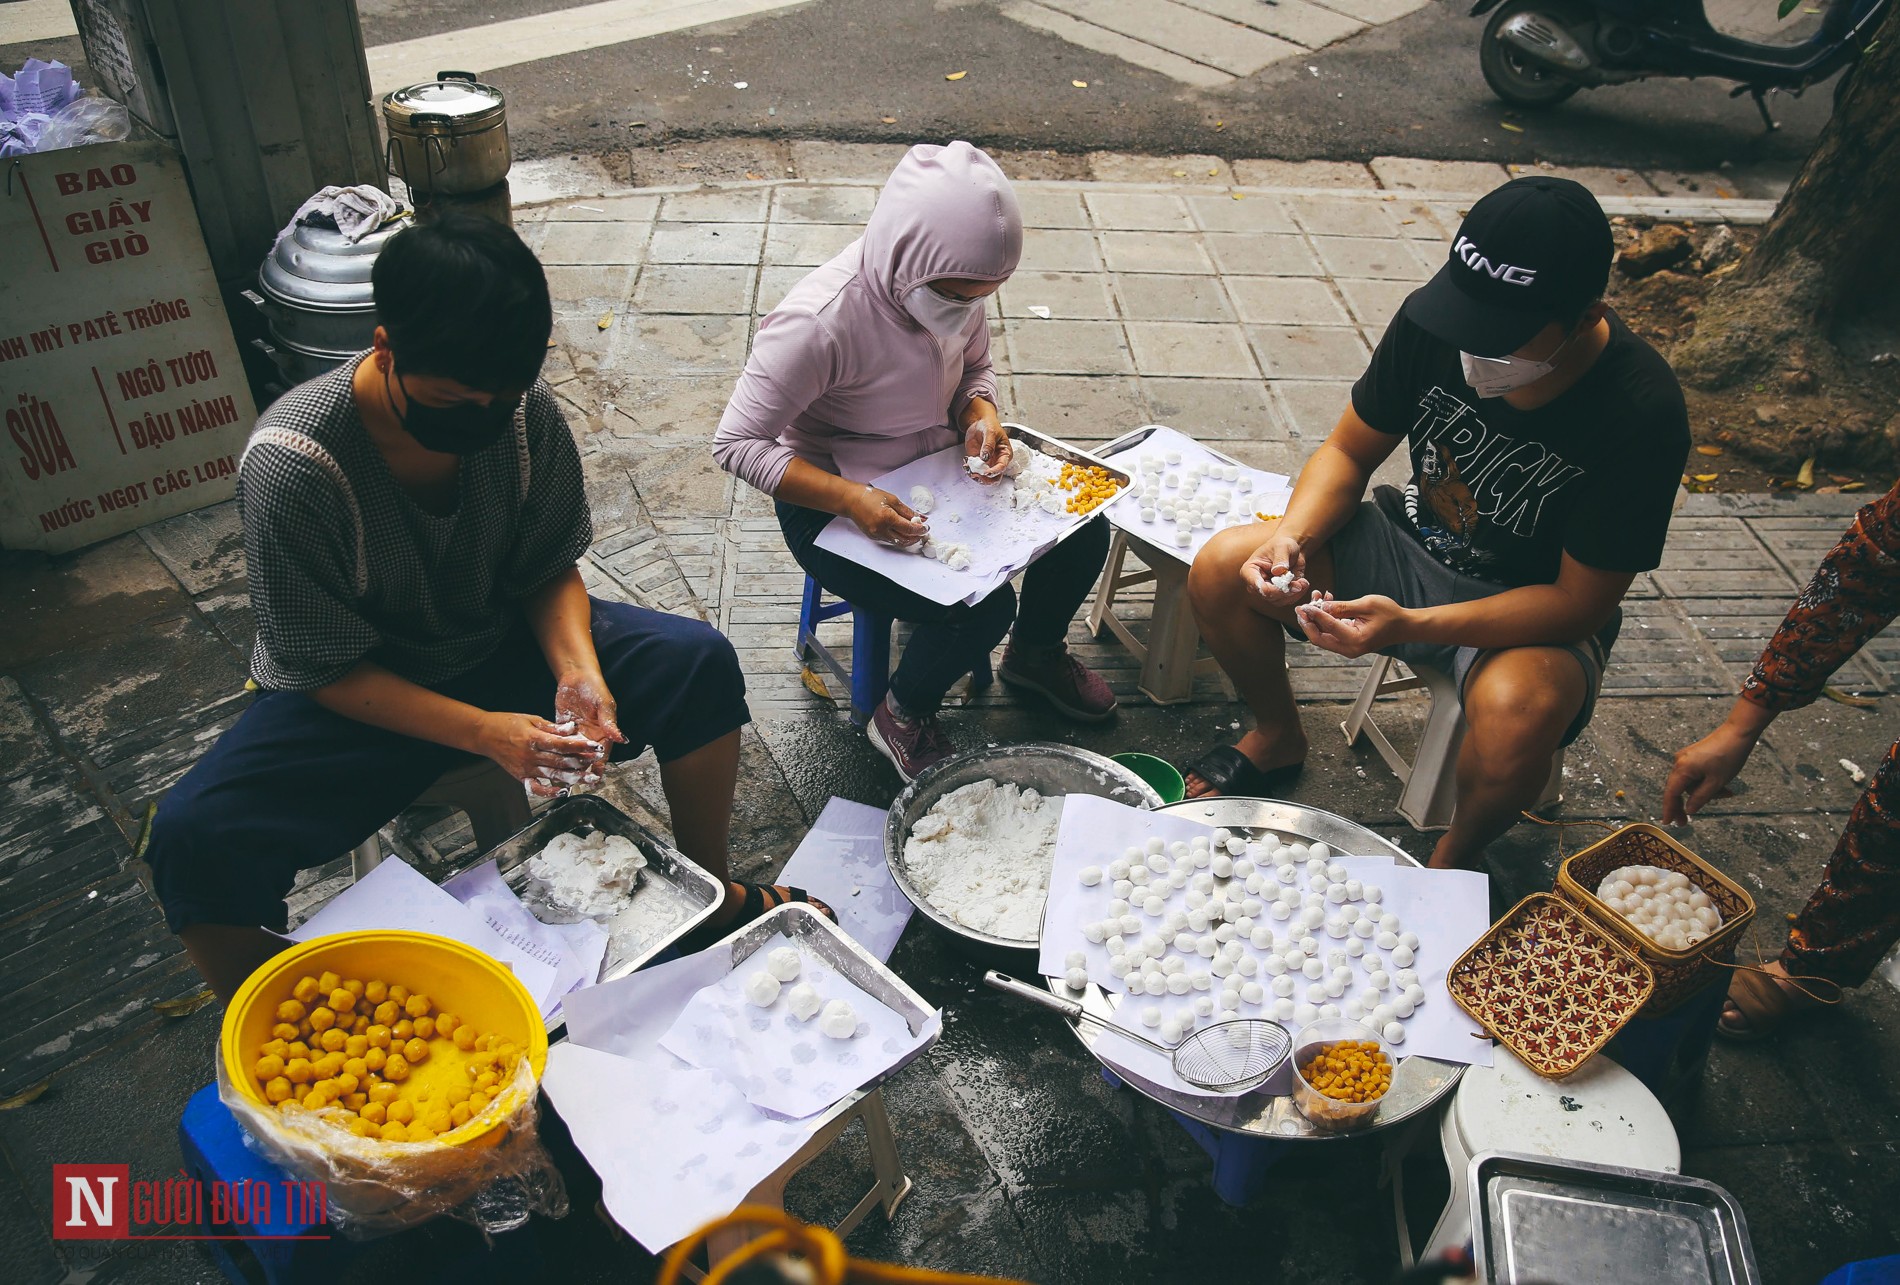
(448, 136)
(316, 297)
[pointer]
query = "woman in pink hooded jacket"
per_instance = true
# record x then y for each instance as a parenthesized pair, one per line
(877, 358)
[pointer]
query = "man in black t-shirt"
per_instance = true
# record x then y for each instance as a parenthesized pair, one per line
(1546, 441)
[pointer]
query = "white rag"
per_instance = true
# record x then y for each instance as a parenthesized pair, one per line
(356, 211)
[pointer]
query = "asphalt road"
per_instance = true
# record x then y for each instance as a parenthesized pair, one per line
(835, 69)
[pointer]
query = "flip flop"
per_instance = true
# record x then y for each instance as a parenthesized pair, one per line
(1764, 1004)
(1232, 773)
(759, 898)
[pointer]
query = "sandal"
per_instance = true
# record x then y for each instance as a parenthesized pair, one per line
(1232, 773)
(1765, 1006)
(758, 900)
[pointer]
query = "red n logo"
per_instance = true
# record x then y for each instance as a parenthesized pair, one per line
(89, 1201)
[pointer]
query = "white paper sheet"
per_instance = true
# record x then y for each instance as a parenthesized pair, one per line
(1268, 497)
(394, 896)
(841, 862)
(783, 1065)
(636, 1111)
(1448, 909)
(1002, 539)
(574, 951)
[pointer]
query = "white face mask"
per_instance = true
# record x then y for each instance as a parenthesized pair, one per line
(1496, 376)
(944, 318)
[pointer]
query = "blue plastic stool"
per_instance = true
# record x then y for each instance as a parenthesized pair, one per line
(1868, 1271)
(1240, 1164)
(214, 1149)
(1668, 1053)
(869, 675)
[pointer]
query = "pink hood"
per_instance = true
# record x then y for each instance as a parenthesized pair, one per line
(839, 374)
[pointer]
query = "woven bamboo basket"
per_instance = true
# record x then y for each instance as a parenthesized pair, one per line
(1679, 973)
(1549, 984)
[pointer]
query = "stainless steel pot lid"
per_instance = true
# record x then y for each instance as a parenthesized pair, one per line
(453, 103)
(317, 267)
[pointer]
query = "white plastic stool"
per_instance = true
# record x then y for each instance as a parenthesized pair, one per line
(1599, 1113)
(889, 1186)
(1429, 793)
(1170, 659)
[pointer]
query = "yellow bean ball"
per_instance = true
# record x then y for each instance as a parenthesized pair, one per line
(346, 1084)
(291, 1011)
(296, 1048)
(328, 1087)
(341, 1001)
(402, 1032)
(362, 1128)
(305, 1030)
(359, 1023)
(276, 1048)
(328, 981)
(425, 1028)
(305, 989)
(383, 1094)
(375, 992)
(464, 1038)
(393, 1132)
(299, 1071)
(477, 1101)
(387, 1012)
(420, 1132)
(457, 1093)
(356, 1101)
(330, 1064)
(458, 1115)
(396, 1069)
(376, 1059)
(374, 1112)
(269, 1067)
(401, 1111)
(356, 1066)
(417, 1006)
(285, 1031)
(445, 1024)
(332, 1040)
(322, 1019)
(398, 994)
(277, 1089)
(506, 1051)
(486, 1081)
(356, 1045)
(354, 987)
(314, 1101)
(416, 1051)
(489, 1041)
(378, 1037)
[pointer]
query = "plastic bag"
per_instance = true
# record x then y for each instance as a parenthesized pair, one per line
(83, 121)
(373, 1188)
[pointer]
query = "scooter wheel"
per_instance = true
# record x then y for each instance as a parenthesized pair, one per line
(1512, 74)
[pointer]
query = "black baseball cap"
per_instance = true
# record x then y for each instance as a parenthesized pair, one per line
(1534, 251)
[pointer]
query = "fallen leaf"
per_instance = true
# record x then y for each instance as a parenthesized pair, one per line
(1406, 223)
(1848, 487)
(1238, 196)
(606, 320)
(888, 120)
(754, 177)
(636, 124)
(1805, 478)
(1852, 699)
(1080, 84)
(1708, 450)
(1827, 490)
(1515, 129)
(956, 75)
(1180, 173)
(187, 1005)
(1220, 124)
(25, 1096)
(1706, 477)
(1212, 173)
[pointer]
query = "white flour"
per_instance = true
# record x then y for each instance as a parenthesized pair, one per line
(591, 875)
(982, 857)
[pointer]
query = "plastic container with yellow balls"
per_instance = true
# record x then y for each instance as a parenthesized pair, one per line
(386, 1185)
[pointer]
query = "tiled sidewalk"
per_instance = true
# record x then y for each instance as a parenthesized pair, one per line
(1241, 321)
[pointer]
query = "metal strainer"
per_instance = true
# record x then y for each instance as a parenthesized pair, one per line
(1227, 1057)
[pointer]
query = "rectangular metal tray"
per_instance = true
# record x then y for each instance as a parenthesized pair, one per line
(587, 813)
(1539, 1219)
(1068, 454)
(797, 922)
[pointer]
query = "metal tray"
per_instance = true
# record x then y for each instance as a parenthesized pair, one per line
(797, 922)
(1068, 454)
(1129, 440)
(587, 813)
(1418, 1083)
(1539, 1219)
(1050, 769)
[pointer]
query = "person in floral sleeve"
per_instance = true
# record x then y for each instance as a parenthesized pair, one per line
(1853, 919)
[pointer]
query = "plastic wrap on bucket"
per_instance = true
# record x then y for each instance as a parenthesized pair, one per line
(491, 1172)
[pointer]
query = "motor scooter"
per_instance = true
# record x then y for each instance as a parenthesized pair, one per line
(1536, 53)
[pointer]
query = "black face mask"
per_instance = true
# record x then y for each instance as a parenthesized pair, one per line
(453, 430)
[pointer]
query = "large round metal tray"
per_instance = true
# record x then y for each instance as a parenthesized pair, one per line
(1418, 1083)
(1051, 769)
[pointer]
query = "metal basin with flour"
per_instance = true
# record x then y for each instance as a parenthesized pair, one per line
(1049, 769)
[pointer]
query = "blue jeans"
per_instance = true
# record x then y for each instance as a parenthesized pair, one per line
(948, 641)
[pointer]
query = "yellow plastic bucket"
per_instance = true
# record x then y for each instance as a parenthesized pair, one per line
(458, 978)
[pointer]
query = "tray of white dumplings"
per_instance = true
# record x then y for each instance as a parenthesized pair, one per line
(804, 1016)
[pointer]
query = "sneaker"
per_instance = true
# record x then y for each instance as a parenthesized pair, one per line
(911, 744)
(1058, 677)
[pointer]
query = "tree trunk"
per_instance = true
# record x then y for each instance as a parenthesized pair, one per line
(1842, 214)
